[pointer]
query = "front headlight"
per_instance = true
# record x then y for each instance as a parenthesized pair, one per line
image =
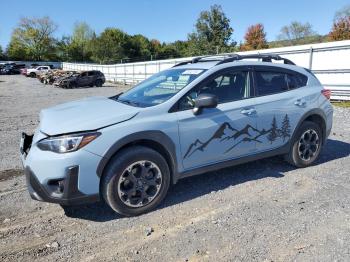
(67, 143)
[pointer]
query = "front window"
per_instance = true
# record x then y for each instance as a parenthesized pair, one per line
(231, 85)
(159, 87)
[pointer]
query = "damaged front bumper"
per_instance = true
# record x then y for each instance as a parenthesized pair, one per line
(53, 179)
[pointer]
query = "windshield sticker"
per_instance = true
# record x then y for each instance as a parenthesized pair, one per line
(192, 72)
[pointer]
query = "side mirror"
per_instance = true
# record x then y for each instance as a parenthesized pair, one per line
(204, 101)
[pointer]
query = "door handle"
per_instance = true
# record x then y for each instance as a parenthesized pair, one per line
(248, 112)
(300, 102)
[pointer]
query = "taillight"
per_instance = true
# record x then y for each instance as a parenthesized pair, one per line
(326, 93)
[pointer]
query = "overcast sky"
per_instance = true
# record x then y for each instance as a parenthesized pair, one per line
(169, 20)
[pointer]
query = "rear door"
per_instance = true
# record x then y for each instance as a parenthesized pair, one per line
(279, 104)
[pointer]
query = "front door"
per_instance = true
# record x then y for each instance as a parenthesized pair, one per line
(83, 79)
(222, 133)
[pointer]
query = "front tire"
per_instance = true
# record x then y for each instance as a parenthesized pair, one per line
(135, 181)
(306, 145)
(71, 85)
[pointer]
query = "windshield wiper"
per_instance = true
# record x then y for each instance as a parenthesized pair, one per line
(128, 102)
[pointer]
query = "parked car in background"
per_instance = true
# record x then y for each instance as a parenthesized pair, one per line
(11, 69)
(86, 78)
(33, 72)
(201, 115)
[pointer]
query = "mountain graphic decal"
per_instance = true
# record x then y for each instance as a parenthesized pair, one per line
(226, 134)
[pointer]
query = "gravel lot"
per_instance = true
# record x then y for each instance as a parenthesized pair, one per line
(265, 211)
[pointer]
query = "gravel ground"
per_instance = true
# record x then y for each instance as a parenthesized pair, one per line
(265, 211)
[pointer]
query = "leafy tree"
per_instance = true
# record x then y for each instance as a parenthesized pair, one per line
(255, 38)
(16, 50)
(138, 47)
(33, 39)
(2, 55)
(79, 46)
(169, 51)
(274, 131)
(212, 32)
(340, 30)
(109, 46)
(155, 48)
(341, 25)
(285, 130)
(62, 48)
(296, 32)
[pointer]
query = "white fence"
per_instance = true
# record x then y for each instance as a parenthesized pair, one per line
(329, 61)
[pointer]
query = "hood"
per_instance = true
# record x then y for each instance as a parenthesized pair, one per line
(68, 78)
(84, 115)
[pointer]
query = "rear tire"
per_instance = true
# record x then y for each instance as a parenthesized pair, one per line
(306, 145)
(98, 83)
(135, 181)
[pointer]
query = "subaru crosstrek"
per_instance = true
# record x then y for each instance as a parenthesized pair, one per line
(202, 115)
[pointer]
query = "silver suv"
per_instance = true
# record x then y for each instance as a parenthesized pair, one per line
(201, 115)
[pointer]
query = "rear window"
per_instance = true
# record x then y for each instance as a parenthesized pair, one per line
(272, 82)
(296, 80)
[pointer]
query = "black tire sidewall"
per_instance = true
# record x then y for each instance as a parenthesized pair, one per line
(297, 161)
(114, 170)
(98, 83)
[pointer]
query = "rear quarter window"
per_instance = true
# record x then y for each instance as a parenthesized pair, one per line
(296, 80)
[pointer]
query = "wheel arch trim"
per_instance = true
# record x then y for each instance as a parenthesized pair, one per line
(143, 138)
(313, 112)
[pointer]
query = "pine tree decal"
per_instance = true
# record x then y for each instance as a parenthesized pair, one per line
(274, 131)
(285, 130)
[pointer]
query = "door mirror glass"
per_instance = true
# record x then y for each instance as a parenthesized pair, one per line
(204, 101)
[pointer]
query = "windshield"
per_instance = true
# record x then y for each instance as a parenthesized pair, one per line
(159, 87)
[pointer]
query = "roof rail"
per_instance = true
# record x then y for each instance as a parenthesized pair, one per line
(235, 57)
(198, 59)
(263, 57)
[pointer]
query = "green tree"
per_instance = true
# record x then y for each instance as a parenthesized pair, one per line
(62, 48)
(169, 51)
(33, 39)
(138, 47)
(2, 55)
(296, 33)
(212, 33)
(255, 38)
(79, 46)
(109, 46)
(155, 48)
